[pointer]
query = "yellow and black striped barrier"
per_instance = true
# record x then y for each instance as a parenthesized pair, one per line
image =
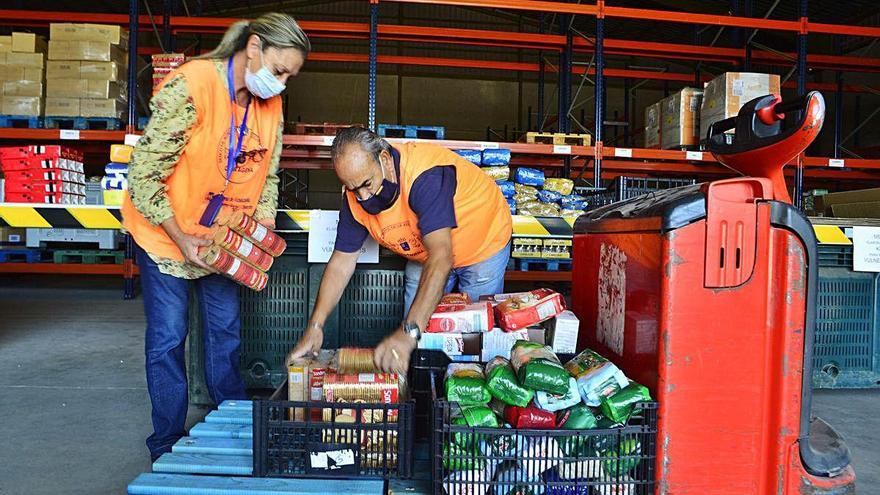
(528, 226)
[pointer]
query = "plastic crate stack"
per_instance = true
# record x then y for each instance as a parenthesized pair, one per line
(86, 72)
(22, 64)
(43, 174)
(164, 64)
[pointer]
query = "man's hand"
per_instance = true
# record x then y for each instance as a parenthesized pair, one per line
(308, 345)
(189, 245)
(269, 223)
(392, 354)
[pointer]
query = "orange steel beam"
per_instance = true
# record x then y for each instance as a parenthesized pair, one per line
(62, 268)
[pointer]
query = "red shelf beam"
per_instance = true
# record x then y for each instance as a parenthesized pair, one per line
(63, 268)
(517, 276)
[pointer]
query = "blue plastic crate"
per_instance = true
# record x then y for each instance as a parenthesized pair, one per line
(846, 353)
(411, 131)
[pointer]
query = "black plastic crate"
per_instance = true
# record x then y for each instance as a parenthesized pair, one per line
(377, 443)
(560, 462)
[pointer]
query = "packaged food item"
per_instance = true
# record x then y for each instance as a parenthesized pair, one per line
(353, 360)
(258, 234)
(585, 469)
(573, 202)
(596, 376)
(622, 457)
(562, 331)
(468, 482)
(523, 189)
(452, 344)
(529, 176)
(473, 156)
(463, 318)
(498, 343)
(507, 189)
(497, 173)
(529, 309)
(370, 388)
(511, 203)
(499, 298)
(455, 298)
(570, 213)
(619, 406)
(538, 209)
(522, 198)
(538, 368)
(529, 417)
(243, 248)
(476, 416)
(549, 196)
(496, 157)
(466, 384)
(513, 480)
(554, 402)
(318, 368)
(562, 186)
(579, 417)
(503, 385)
(458, 458)
(296, 388)
(502, 445)
(121, 153)
(233, 267)
(556, 485)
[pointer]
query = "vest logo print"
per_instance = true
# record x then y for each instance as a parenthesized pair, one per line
(252, 149)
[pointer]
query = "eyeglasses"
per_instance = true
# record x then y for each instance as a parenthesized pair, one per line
(255, 156)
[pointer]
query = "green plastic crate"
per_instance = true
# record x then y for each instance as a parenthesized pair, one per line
(846, 353)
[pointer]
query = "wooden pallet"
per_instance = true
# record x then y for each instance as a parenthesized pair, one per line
(21, 121)
(325, 129)
(558, 138)
(411, 131)
(84, 123)
(89, 257)
(20, 255)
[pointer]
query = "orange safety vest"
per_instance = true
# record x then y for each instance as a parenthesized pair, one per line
(481, 212)
(201, 170)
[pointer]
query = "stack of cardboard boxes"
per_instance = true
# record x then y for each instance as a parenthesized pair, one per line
(727, 93)
(43, 174)
(86, 72)
(22, 62)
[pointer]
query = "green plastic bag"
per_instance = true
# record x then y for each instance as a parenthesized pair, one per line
(622, 459)
(458, 458)
(503, 385)
(619, 406)
(466, 384)
(473, 416)
(579, 417)
(538, 368)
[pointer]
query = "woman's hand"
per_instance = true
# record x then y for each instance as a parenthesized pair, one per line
(309, 345)
(189, 245)
(269, 223)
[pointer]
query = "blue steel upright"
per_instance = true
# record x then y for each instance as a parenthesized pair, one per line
(371, 85)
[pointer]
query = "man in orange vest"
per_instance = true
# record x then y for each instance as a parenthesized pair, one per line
(427, 204)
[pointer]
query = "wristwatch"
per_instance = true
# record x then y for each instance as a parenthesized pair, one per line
(413, 330)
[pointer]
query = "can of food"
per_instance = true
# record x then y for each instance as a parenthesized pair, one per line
(243, 248)
(258, 234)
(233, 267)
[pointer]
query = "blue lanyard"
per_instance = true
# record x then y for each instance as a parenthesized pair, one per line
(234, 153)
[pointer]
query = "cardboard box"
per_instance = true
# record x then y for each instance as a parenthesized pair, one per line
(727, 93)
(22, 88)
(18, 73)
(84, 88)
(23, 105)
(863, 203)
(35, 60)
(652, 126)
(62, 107)
(107, 107)
(463, 318)
(11, 236)
(562, 332)
(95, 51)
(28, 43)
(556, 249)
(62, 69)
(525, 247)
(452, 344)
(498, 343)
(105, 33)
(680, 116)
(109, 71)
(296, 386)
(5, 44)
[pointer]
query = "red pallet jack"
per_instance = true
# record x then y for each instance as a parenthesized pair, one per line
(707, 295)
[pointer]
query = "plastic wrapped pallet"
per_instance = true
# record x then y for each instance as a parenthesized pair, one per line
(727, 93)
(680, 117)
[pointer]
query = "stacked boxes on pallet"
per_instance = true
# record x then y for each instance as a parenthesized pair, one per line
(681, 119)
(22, 62)
(86, 72)
(43, 174)
(727, 93)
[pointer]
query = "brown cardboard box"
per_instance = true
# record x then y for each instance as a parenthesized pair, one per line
(652, 126)
(727, 93)
(104, 107)
(23, 88)
(62, 69)
(35, 60)
(5, 44)
(23, 105)
(864, 203)
(89, 32)
(680, 116)
(84, 88)
(28, 43)
(18, 73)
(297, 384)
(95, 51)
(12, 235)
(62, 107)
(109, 71)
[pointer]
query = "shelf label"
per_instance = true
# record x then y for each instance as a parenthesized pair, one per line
(132, 139)
(836, 162)
(694, 155)
(322, 239)
(488, 146)
(623, 152)
(68, 134)
(561, 149)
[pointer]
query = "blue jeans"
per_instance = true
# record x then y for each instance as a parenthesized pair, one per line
(166, 303)
(480, 279)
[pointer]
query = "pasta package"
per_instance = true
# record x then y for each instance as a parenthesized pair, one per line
(496, 157)
(473, 156)
(466, 384)
(562, 186)
(506, 187)
(554, 402)
(619, 406)
(546, 196)
(530, 190)
(530, 308)
(529, 176)
(529, 417)
(503, 385)
(497, 173)
(596, 376)
(538, 367)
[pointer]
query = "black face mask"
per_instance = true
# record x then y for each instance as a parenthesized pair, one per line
(384, 197)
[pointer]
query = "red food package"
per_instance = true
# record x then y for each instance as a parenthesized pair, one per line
(462, 318)
(530, 308)
(529, 417)
(454, 298)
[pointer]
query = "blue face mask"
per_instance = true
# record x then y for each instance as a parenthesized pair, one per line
(383, 198)
(262, 84)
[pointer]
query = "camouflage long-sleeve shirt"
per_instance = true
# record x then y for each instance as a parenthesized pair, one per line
(158, 152)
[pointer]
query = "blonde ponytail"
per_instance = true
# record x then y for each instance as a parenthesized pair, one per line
(275, 30)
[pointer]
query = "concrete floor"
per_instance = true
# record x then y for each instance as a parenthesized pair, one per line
(75, 409)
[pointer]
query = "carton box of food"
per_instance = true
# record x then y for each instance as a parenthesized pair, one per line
(19, 73)
(5, 44)
(680, 114)
(28, 43)
(62, 69)
(12, 236)
(297, 385)
(727, 93)
(452, 344)
(94, 51)
(525, 310)
(85, 88)
(102, 107)
(525, 247)
(498, 343)
(106, 33)
(652, 126)
(62, 107)
(461, 318)
(558, 249)
(22, 88)
(562, 332)
(33, 60)
(31, 106)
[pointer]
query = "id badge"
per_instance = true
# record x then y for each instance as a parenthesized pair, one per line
(211, 211)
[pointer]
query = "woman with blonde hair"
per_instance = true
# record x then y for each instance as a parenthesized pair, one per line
(212, 147)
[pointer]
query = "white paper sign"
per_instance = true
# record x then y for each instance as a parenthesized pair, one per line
(68, 134)
(322, 238)
(335, 459)
(488, 146)
(561, 149)
(836, 162)
(866, 249)
(623, 152)
(694, 155)
(132, 139)
(327, 140)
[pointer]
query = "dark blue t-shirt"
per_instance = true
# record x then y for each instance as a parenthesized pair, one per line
(431, 199)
